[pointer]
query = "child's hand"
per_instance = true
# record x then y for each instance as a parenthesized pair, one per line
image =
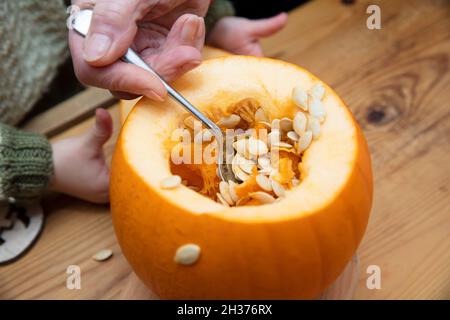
(80, 169)
(241, 35)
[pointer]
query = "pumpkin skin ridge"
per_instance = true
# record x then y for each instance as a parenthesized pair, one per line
(171, 281)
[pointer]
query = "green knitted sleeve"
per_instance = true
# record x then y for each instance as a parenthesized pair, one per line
(217, 10)
(26, 164)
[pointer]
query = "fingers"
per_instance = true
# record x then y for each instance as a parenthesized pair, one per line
(112, 30)
(110, 35)
(173, 63)
(182, 50)
(253, 49)
(179, 7)
(188, 30)
(101, 131)
(119, 76)
(266, 27)
(124, 95)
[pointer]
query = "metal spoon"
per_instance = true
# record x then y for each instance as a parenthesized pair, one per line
(81, 22)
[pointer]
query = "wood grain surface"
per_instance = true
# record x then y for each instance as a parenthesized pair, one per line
(70, 112)
(397, 83)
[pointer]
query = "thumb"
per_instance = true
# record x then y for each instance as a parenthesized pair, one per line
(111, 32)
(101, 131)
(266, 27)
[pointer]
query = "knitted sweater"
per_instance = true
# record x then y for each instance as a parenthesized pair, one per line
(32, 45)
(25, 164)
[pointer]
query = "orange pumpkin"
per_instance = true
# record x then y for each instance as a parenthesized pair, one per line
(292, 248)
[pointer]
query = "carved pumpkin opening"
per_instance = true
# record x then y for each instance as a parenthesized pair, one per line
(265, 155)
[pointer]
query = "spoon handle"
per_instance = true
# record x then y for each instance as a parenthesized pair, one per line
(81, 24)
(133, 58)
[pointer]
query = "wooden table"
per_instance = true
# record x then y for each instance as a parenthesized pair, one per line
(396, 81)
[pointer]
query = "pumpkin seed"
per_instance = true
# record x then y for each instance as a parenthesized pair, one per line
(318, 91)
(103, 255)
(304, 141)
(275, 124)
(274, 159)
(222, 200)
(300, 98)
(300, 123)
(171, 182)
(314, 126)
(274, 173)
(262, 197)
(246, 165)
(251, 133)
(286, 124)
(241, 146)
(281, 144)
(316, 108)
(273, 137)
(187, 254)
(264, 162)
(232, 191)
(257, 147)
(239, 135)
(292, 135)
(224, 189)
(266, 125)
(278, 189)
(241, 175)
(266, 171)
(229, 122)
(264, 182)
(260, 115)
(238, 172)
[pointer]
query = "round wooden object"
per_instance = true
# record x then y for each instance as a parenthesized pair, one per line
(20, 225)
(342, 289)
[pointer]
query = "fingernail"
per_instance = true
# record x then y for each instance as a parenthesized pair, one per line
(154, 96)
(199, 28)
(188, 32)
(96, 46)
